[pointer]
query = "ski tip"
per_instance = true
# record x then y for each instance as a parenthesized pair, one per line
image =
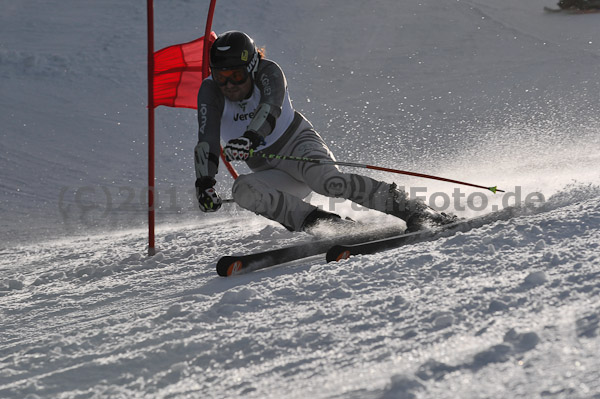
(337, 253)
(234, 267)
(343, 255)
(228, 266)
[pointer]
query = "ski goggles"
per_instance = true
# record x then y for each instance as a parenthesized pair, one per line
(236, 76)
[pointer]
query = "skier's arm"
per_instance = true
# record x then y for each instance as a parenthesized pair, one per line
(206, 152)
(272, 84)
(210, 109)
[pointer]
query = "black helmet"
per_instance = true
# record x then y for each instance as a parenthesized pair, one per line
(234, 49)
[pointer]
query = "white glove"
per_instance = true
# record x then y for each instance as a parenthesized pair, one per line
(208, 199)
(240, 149)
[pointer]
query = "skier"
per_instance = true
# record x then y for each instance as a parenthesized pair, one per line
(579, 4)
(245, 103)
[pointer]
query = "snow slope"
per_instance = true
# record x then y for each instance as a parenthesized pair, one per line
(494, 93)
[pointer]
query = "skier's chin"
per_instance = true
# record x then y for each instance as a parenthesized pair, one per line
(234, 94)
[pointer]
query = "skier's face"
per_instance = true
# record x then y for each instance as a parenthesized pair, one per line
(236, 92)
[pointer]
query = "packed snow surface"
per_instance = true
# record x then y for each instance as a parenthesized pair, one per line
(494, 93)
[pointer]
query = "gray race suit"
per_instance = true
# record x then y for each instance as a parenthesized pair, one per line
(276, 188)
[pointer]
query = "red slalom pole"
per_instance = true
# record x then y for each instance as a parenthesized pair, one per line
(151, 221)
(493, 189)
(206, 48)
(206, 72)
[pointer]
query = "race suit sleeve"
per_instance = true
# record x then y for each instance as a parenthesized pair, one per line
(272, 85)
(208, 149)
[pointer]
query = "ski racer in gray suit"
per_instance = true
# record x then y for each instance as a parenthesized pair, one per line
(245, 104)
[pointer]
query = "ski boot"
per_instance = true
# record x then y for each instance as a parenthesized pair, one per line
(416, 214)
(320, 222)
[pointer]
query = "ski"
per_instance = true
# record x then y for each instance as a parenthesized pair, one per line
(344, 251)
(339, 248)
(237, 264)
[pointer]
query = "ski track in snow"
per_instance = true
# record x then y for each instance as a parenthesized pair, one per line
(513, 299)
(476, 89)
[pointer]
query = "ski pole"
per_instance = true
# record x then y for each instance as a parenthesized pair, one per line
(493, 189)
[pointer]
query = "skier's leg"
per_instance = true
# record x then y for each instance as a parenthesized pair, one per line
(328, 180)
(373, 194)
(276, 195)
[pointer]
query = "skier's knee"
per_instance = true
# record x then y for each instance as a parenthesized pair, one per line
(333, 186)
(243, 192)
